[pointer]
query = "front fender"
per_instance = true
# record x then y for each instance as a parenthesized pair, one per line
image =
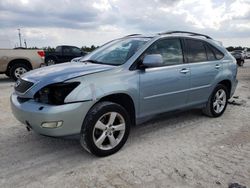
(96, 86)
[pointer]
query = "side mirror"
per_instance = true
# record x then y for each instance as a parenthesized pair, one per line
(153, 60)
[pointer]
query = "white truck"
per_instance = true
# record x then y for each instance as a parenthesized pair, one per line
(15, 62)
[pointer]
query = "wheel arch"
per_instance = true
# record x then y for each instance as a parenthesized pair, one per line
(125, 101)
(227, 84)
(14, 61)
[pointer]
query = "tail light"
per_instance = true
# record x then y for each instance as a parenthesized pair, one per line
(41, 53)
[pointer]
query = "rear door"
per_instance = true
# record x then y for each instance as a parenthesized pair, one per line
(204, 67)
(164, 88)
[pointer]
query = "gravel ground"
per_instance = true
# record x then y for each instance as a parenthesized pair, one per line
(183, 149)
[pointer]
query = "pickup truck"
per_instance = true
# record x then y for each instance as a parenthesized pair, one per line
(63, 54)
(15, 62)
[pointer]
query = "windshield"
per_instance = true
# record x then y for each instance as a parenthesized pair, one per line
(116, 52)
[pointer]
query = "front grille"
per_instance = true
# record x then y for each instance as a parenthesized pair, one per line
(22, 86)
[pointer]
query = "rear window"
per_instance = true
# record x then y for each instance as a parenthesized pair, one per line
(196, 51)
(218, 54)
(210, 54)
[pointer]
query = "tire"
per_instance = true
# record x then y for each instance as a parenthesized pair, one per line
(217, 104)
(17, 70)
(240, 62)
(98, 134)
(7, 73)
(50, 61)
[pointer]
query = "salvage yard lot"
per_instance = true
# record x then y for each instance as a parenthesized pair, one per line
(183, 149)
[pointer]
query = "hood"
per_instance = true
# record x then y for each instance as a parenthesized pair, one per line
(64, 71)
(58, 73)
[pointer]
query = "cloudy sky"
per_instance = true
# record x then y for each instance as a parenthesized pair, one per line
(83, 22)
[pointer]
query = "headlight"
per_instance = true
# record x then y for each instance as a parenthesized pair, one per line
(55, 93)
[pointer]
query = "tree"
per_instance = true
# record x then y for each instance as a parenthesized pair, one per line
(89, 49)
(232, 48)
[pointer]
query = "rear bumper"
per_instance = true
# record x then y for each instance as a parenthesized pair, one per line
(33, 114)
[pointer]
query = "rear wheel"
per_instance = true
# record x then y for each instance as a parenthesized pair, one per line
(50, 61)
(240, 62)
(217, 102)
(17, 70)
(105, 129)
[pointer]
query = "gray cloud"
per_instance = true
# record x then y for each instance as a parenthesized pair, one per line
(221, 19)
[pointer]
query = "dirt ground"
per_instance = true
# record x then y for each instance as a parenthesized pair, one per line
(185, 149)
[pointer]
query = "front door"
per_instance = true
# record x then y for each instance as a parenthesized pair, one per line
(164, 88)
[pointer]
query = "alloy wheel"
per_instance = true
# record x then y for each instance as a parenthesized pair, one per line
(109, 130)
(19, 71)
(50, 62)
(219, 102)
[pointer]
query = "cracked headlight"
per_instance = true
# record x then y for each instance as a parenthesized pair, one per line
(55, 93)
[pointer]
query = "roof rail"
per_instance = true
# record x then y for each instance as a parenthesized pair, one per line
(131, 35)
(186, 32)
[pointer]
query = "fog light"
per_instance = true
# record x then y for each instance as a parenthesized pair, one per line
(53, 124)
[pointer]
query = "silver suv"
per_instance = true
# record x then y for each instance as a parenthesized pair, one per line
(123, 82)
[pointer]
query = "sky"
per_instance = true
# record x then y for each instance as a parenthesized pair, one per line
(84, 22)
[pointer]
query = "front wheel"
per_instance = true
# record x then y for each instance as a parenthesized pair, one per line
(217, 102)
(105, 129)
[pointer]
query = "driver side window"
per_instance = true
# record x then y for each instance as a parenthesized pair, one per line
(169, 49)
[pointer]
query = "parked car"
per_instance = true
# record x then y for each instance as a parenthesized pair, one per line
(239, 55)
(123, 83)
(15, 62)
(248, 54)
(63, 54)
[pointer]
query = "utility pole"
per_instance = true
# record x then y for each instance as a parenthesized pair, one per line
(20, 39)
(25, 43)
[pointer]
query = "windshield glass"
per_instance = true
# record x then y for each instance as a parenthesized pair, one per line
(116, 52)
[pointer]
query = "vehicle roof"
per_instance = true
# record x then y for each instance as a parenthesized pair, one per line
(183, 34)
(66, 46)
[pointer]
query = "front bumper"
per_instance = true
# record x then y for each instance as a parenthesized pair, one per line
(33, 114)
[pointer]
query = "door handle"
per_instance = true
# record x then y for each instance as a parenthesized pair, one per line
(184, 71)
(217, 66)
